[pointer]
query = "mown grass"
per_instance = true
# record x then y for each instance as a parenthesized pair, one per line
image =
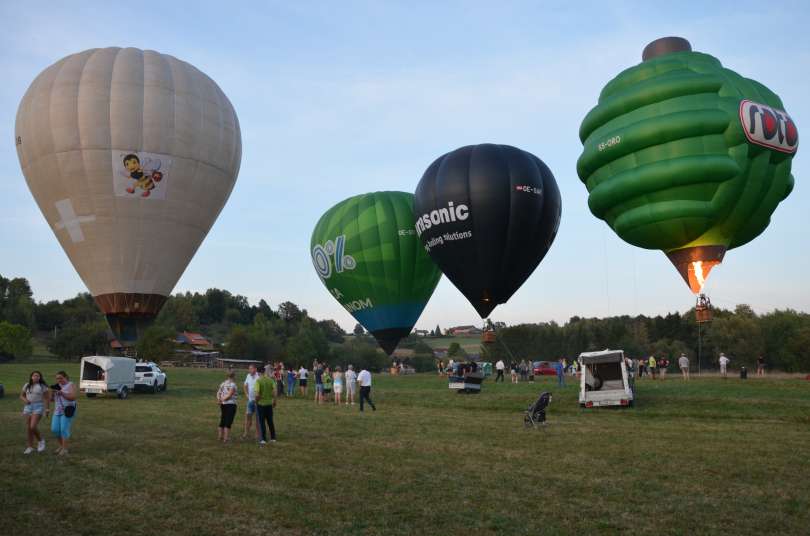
(708, 456)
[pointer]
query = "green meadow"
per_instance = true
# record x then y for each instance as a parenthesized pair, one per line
(709, 456)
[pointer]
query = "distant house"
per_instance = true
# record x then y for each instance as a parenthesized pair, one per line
(421, 332)
(440, 353)
(464, 330)
(194, 341)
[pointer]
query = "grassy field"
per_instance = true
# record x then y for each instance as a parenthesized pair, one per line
(471, 344)
(710, 456)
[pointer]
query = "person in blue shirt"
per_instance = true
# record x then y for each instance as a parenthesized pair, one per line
(290, 382)
(560, 373)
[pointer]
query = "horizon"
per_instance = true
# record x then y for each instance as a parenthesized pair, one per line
(325, 115)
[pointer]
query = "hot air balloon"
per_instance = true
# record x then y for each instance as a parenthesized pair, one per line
(365, 250)
(686, 156)
(487, 215)
(130, 155)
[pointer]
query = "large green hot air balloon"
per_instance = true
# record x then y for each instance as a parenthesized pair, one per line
(366, 252)
(686, 156)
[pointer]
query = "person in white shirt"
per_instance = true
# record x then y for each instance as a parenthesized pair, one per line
(499, 366)
(364, 379)
(723, 364)
(351, 384)
(249, 387)
(303, 374)
(683, 364)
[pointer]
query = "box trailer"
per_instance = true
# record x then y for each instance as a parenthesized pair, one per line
(604, 380)
(107, 374)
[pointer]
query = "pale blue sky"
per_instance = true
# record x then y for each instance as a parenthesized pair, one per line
(340, 98)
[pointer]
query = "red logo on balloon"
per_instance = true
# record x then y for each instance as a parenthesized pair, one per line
(769, 127)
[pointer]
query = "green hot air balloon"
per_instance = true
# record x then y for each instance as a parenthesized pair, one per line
(686, 156)
(366, 251)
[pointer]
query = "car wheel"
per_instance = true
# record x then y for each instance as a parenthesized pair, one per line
(123, 393)
(154, 388)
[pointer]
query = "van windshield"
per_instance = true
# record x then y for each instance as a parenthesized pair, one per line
(143, 369)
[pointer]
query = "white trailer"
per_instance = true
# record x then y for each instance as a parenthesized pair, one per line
(107, 374)
(604, 380)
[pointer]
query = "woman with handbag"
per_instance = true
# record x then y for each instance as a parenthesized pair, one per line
(226, 397)
(63, 393)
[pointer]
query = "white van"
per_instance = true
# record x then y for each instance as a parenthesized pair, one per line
(107, 374)
(604, 380)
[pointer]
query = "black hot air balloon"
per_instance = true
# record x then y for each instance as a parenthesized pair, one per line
(487, 214)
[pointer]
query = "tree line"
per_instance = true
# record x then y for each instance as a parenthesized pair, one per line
(75, 327)
(782, 337)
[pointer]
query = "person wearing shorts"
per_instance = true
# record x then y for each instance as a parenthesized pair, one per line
(338, 379)
(226, 397)
(64, 399)
(683, 364)
(303, 375)
(351, 384)
(249, 388)
(34, 395)
(318, 385)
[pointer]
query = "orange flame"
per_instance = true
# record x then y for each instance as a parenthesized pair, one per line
(698, 273)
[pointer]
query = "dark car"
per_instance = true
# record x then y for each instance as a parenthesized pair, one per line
(544, 368)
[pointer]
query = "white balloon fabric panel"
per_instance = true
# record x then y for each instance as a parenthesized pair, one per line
(131, 155)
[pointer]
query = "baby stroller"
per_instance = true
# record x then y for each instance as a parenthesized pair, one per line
(536, 412)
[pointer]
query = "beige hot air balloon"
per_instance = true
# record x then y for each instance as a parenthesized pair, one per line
(131, 156)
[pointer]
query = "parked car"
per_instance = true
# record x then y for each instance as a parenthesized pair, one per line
(149, 377)
(544, 368)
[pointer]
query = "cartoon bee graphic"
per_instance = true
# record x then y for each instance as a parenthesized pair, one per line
(144, 175)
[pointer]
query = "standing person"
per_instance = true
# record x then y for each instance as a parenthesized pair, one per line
(338, 384)
(303, 375)
(440, 367)
(327, 383)
(351, 384)
(560, 373)
(723, 364)
(641, 367)
(761, 366)
(653, 366)
(278, 375)
(34, 395)
(249, 388)
(513, 370)
(226, 398)
(318, 371)
(290, 382)
(499, 366)
(663, 364)
(364, 379)
(64, 398)
(265, 402)
(683, 364)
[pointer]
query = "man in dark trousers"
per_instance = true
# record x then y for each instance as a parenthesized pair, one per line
(364, 380)
(265, 402)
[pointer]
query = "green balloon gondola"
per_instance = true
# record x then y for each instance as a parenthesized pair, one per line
(366, 251)
(686, 156)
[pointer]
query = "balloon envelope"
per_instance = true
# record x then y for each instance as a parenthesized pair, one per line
(365, 250)
(487, 215)
(686, 156)
(130, 155)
